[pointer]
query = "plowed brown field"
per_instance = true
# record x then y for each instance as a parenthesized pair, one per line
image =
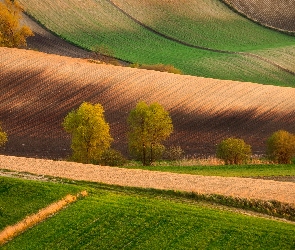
(38, 90)
(229, 186)
(273, 13)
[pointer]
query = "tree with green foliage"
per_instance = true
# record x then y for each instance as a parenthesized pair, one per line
(3, 137)
(90, 132)
(149, 126)
(281, 147)
(233, 151)
(12, 33)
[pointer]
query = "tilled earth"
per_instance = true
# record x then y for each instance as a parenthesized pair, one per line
(229, 186)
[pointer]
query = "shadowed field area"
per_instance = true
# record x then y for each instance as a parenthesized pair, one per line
(40, 89)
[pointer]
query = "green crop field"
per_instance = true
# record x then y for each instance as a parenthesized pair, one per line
(91, 23)
(205, 23)
(114, 218)
(226, 170)
(19, 198)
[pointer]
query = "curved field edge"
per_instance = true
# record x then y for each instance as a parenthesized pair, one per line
(244, 188)
(218, 30)
(47, 42)
(271, 171)
(277, 15)
(134, 43)
(40, 89)
(126, 217)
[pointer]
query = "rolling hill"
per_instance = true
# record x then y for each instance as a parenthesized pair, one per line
(203, 38)
(38, 90)
(276, 14)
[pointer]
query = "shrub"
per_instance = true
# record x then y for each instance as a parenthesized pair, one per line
(174, 153)
(233, 151)
(112, 157)
(281, 147)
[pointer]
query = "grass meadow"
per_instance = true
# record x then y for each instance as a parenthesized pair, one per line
(117, 218)
(91, 23)
(259, 170)
(19, 198)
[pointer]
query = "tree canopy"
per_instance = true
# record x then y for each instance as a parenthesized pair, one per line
(90, 132)
(3, 137)
(12, 33)
(233, 151)
(281, 147)
(149, 126)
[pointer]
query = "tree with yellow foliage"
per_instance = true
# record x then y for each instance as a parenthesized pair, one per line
(3, 137)
(90, 132)
(12, 33)
(149, 126)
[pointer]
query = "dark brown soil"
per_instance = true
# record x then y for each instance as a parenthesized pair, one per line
(38, 90)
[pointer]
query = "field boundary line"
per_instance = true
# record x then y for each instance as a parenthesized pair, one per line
(252, 19)
(9, 232)
(201, 47)
(238, 187)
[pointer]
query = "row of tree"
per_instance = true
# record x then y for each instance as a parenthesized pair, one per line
(149, 126)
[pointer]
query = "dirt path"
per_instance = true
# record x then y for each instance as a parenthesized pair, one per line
(229, 186)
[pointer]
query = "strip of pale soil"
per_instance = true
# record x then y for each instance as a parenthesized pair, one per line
(229, 186)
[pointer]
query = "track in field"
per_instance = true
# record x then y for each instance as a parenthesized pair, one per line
(38, 90)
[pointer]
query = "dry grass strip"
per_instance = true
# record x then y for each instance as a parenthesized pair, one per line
(12, 231)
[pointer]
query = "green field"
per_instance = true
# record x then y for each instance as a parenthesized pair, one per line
(205, 23)
(19, 198)
(90, 23)
(226, 170)
(115, 218)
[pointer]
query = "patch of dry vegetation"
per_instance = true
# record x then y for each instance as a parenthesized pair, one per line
(11, 231)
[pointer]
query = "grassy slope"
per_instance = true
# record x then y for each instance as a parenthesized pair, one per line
(15, 194)
(230, 170)
(207, 23)
(89, 23)
(109, 219)
(211, 24)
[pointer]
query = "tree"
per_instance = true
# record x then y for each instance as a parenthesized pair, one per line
(90, 132)
(12, 33)
(233, 151)
(149, 126)
(281, 147)
(3, 137)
